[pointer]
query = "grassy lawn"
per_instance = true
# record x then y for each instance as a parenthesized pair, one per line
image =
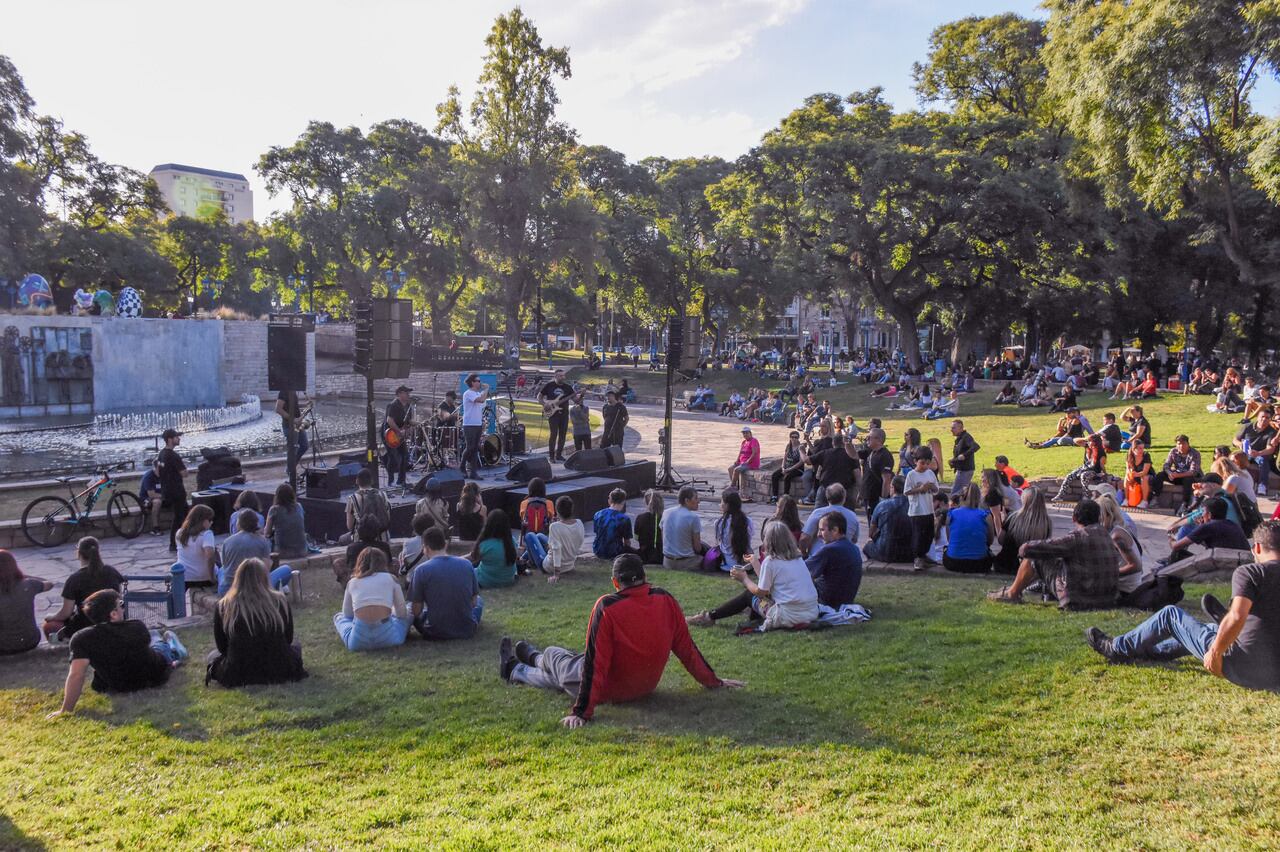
(947, 720)
(999, 429)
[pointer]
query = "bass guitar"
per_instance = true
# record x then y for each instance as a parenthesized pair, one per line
(554, 406)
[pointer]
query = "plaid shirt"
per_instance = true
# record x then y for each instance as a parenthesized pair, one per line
(1091, 566)
(1176, 462)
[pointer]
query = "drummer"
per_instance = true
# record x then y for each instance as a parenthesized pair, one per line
(447, 410)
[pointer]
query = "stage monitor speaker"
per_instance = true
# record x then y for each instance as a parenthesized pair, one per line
(220, 503)
(523, 471)
(286, 358)
(597, 459)
(449, 479)
(328, 483)
(392, 355)
(616, 456)
(354, 457)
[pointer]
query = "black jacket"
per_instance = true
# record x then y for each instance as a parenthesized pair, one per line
(963, 452)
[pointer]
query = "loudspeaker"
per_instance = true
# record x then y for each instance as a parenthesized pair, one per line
(329, 483)
(355, 457)
(220, 502)
(450, 480)
(286, 358)
(538, 466)
(692, 344)
(675, 339)
(597, 459)
(616, 456)
(392, 356)
(513, 439)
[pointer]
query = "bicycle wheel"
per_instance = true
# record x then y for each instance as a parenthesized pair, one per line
(125, 514)
(47, 521)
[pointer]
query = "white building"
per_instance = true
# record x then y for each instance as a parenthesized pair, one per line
(827, 329)
(191, 191)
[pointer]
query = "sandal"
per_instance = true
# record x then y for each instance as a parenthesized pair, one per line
(1002, 596)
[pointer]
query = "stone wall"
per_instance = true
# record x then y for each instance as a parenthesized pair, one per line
(426, 385)
(244, 359)
(336, 340)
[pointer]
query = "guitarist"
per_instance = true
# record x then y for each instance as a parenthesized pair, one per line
(295, 432)
(555, 397)
(395, 435)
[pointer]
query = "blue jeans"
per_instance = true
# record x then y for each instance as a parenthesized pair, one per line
(535, 545)
(360, 635)
(279, 577)
(397, 463)
(423, 621)
(165, 650)
(1170, 633)
(302, 442)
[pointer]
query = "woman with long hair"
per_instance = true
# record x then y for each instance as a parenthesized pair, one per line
(648, 528)
(494, 553)
(253, 633)
(1030, 523)
(994, 499)
(782, 596)
(94, 576)
(374, 614)
(197, 550)
(1093, 465)
(287, 524)
(906, 454)
(1137, 474)
(18, 630)
(733, 531)
(471, 512)
(247, 501)
(1112, 520)
(970, 532)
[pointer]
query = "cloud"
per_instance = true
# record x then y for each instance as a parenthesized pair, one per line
(647, 130)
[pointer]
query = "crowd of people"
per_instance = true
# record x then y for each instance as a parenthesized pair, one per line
(920, 505)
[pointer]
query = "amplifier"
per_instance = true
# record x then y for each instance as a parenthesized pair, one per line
(329, 483)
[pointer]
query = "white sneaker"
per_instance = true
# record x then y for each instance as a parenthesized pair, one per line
(919, 565)
(175, 643)
(1142, 505)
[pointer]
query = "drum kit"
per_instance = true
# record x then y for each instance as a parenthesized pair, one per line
(433, 447)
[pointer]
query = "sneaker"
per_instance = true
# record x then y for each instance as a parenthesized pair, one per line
(507, 661)
(1142, 504)
(1101, 643)
(284, 590)
(156, 532)
(1213, 608)
(172, 640)
(918, 564)
(702, 619)
(526, 653)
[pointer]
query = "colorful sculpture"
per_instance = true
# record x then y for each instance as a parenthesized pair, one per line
(81, 303)
(34, 292)
(106, 303)
(129, 304)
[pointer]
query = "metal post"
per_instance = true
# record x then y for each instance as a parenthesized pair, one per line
(371, 458)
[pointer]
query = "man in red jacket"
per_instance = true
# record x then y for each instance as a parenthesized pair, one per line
(630, 636)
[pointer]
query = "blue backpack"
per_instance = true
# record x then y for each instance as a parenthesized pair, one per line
(607, 525)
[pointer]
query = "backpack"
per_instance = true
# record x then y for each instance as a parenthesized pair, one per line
(1250, 517)
(536, 516)
(1161, 590)
(608, 541)
(373, 504)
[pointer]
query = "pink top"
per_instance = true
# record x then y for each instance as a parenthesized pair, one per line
(749, 454)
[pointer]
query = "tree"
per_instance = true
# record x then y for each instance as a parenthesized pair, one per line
(515, 154)
(1158, 91)
(21, 214)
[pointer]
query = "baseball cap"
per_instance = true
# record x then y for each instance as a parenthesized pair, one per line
(404, 389)
(169, 433)
(746, 428)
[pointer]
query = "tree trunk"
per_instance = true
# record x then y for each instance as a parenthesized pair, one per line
(1257, 324)
(906, 319)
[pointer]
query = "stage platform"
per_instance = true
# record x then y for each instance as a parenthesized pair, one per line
(326, 517)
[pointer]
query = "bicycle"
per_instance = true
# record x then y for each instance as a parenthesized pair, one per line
(48, 521)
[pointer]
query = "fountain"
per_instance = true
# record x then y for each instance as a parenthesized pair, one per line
(148, 424)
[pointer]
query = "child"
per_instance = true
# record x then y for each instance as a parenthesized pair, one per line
(921, 485)
(580, 417)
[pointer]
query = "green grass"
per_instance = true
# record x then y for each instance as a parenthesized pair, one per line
(947, 720)
(999, 429)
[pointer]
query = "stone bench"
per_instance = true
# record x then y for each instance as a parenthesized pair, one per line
(1166, 503)
(755, 484)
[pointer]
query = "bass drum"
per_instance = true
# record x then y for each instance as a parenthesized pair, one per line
(490, 450)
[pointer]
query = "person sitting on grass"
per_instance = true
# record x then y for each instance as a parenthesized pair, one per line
(630, 636)
(941, 408)
(444, 592)
(1242, 646)
(471, 512)
(733, 530)
(970, 532)
(368, 535)
(1008, 395)
(1112, 436)
(253, 633)
(1069, 428)
(367, 501)
(556, 552)
(682, 547)
(1080, 569)
(248, 543)
(612, 527)
(18, 630)
(648, 527)
(784, 595)
(411, 552)
(125, 655)
(93, 576)
(197, 551)
(1223, 540)
(494, 554)
(836, 567)
(1139, 426)
(1065, 400)
(1113, 521)
(433, 504)
(810, 542)
(373, 609)
(1263, 400)
(889, 531)
(287, 524)
(246, 501)
(1029, 523)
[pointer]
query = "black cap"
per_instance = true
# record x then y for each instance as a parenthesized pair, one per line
(1212, 477)
(169, 433)
(404, 389)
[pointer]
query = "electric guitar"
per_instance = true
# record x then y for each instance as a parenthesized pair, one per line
(393, 437)
(554, 406)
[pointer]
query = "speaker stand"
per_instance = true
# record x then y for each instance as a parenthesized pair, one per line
(669, 479)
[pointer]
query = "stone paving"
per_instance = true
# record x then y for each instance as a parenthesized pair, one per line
(703, 446)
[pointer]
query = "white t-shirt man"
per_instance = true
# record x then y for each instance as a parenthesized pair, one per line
(920, 504)
(473, 408)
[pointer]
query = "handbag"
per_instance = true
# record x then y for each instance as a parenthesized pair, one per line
(711, 559)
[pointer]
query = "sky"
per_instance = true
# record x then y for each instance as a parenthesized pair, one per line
(152, 82)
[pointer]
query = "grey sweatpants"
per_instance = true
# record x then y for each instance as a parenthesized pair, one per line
(557, 669)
